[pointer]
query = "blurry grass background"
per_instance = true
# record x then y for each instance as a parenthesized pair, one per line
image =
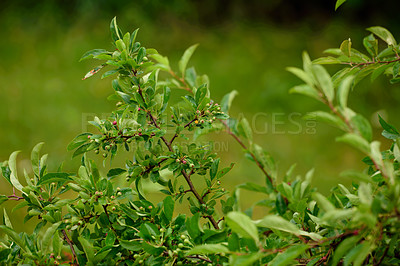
(244, 46)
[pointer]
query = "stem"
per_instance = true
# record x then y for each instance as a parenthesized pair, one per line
(251, 154)
(371, 62)
(71, 245)
(15, 197)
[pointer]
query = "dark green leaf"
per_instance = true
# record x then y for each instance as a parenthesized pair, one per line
(287, 257)
(92, 53)
(169, 205)
(115, 172)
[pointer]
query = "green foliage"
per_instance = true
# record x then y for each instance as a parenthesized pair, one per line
(91, 218)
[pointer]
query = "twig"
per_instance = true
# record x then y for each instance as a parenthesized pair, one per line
(238, 140)
(71, 245)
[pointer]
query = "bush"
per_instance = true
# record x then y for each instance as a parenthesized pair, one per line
(108, 220)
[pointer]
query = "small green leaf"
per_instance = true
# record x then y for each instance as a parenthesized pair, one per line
(339, 3)
(12, 162)
(87, 248)
(323, 202)
(245, 129)
(115, 172)
(208, 249)
(371, 44)
(343, 91)
(242, 225)
(344, 246)
(185, 58)
(192, 225)
(92, 53)
(326, 118)
(325, 81)
(345, 47)
(306, 90)
(35, 157)
(7, 221)
(384, 34)
(50, 232)
(278, 223)
(214, 168)
(116, 33)
(307, 78)
(78, 141)
(169, 205)
(376, 155)
(357, 254)
(363, 126)
(355, 141)
(226, 101)
(110, 238)
(287, 257)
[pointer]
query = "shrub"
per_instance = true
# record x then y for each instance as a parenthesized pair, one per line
(108, 220)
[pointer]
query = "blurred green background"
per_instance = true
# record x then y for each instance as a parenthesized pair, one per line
(244, 46)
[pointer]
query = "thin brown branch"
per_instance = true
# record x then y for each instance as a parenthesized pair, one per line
(370, 62)
(238, 140)
(15, 197)
(181, 80)
(71, 245)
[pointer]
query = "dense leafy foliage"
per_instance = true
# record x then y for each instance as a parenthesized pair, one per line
(90, 218)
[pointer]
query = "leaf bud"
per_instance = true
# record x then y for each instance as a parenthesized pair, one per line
(105, 155)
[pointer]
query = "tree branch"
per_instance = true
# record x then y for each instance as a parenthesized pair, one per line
(71, 245)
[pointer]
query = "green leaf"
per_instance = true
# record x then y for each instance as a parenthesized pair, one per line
(306, 90)
(343, 91)
(116, 33)
(384, 34)
(214, 168)
(87, 248)
(339, 3)
(253, 187)
(169, 205)
(357, 254)
(376, 155)
(344, 246)
(78, 141)
(388, 127)
(54, 177)
(115, 172)
(323, 202)
(345, 47)
(245, 129)
(15, 237)
(7, 221)
(192, 225)
(396, 68)
(110, 238)
(35, 157)
(355, 141)
(12, 162)
(242, 225)
(208, 249)
(50, 232)
(226, 101)
(287, 257)
(278, 223)
(326, 118)
(307, 78)
(371, 45)
(163, 61)
(325, 81)
(92, 53)
(185, 58)
(363, 126)
(246, 260)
